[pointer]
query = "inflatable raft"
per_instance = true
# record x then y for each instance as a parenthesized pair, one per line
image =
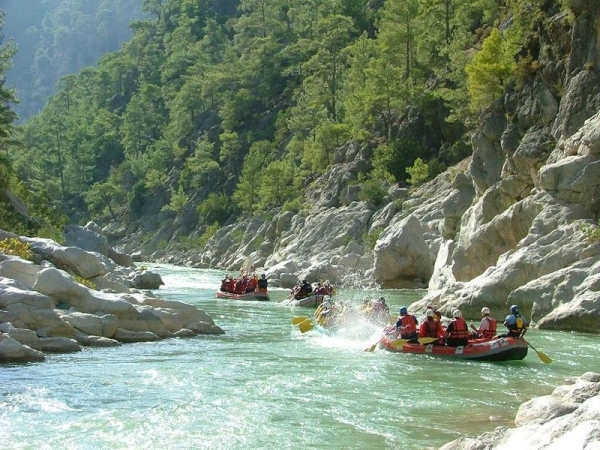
(312, 301)
(256, 296)
(501, 349)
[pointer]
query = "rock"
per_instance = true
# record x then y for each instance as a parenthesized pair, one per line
(147, 280)
(401, 255)
(59, 344)
(129, 336)
(12, 351)
(568, 418)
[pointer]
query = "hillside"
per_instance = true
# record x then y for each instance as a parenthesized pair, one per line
(315, 139)
(60, 37)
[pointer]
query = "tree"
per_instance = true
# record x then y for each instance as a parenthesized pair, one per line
(489, 71)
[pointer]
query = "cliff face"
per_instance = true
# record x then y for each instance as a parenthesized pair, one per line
(505, 226)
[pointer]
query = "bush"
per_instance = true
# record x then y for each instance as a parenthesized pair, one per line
(14, 246)
(591, 232)
(373, 191)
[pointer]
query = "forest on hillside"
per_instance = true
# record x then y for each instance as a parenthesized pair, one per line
(58, 37)
(221, 109)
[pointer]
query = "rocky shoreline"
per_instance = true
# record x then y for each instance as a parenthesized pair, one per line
(47, 306)
(569, 418)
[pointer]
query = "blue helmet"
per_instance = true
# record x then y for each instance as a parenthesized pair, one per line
(514, 309)
(403, 310)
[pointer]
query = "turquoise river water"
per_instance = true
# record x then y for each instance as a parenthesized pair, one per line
(265, 385)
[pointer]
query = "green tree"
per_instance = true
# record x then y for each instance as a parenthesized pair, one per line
(490, 70)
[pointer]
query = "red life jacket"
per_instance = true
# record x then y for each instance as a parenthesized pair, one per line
(409, 324)
(459, 329)
(493, 325)
(431, 328)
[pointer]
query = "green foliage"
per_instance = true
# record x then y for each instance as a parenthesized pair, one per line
(237, 109)
(179, 201)
(373, 191)
(591, 232)
(421, 172)
(370, 239)
(490, 70)
(418, 173)
(217, 208)
(208, 233)
(16, 247)
(87, 283)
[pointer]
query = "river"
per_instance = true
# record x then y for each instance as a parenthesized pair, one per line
(265, 385)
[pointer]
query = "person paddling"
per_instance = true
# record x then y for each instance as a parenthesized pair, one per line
(457, 333)
(516, 323)
(487, 326)
(406, 325)
(432, 328)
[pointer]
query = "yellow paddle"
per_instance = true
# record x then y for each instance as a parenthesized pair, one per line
(299, 319)
(304, 323)
(423, 341)
(543, 357)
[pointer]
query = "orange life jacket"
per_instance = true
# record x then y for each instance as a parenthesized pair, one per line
(459, 329)
(409, 324)
(491, 332)
(430, 328)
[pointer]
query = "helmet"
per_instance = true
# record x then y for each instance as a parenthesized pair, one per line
(430, 305)
(263, 276)
(485, 310)
(514, 309)
(327, 304)
(403, 310)
(382, 299)
(456, 313)
(430, 313)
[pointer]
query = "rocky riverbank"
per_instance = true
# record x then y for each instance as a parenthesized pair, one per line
(62, 298)
(569, 418)
(517, 222)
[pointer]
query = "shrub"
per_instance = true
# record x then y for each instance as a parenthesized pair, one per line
(87, 283)
(16, 247)
(373, 191)
(591, 232)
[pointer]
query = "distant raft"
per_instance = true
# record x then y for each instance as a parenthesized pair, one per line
(501, 349)
(254, 295)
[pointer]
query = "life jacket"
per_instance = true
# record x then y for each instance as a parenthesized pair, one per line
(491, 332)
(459, 329)
(431, 328)
(408, 323)
(518, 326)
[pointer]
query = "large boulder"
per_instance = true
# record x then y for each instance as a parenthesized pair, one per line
(402, 255)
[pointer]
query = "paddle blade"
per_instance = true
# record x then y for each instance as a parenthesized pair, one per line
(399, 342)
(299, 319)
(544, 358)
(371, 348)
(427, 340)
(305, 326)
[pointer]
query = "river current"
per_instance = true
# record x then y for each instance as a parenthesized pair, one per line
(265, 385)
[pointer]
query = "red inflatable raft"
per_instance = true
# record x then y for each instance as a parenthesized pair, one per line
(256, 296)
(502, 349)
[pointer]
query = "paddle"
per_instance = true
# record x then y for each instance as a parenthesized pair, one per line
(299, 319)
(423, 341)
(543, 357)
(304, 323)
(305, 326)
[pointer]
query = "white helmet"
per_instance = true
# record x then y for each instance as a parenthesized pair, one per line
(456, 313)
(485, 310)
(429, 313)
